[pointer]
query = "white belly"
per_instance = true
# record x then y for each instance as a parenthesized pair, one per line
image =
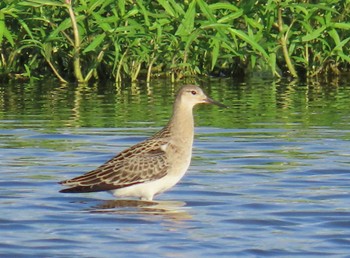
(146, 191)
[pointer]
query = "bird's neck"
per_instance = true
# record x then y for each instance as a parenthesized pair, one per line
(181, 124)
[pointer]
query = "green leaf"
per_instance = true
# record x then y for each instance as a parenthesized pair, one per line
(2, 25)
(301, 8)
(307, 26)
(314, 34)
(95, 43)
(131, 13)
(47, 50)
(341, 25)
(187, 24)
(194, 35)
(25, 27)
(231, 17)
(249, 40)
(38, 3)
(254, 23)
(65, 24)
(334, 34)
(95, 4)
(126, 29)
(252, 61)
(215, 52)
(7, 34)
(344, 57)
(226, 6)
(340, 45)
(144, 12)
(121, 7)
(167, 7)
(206, 10)
(177, 7)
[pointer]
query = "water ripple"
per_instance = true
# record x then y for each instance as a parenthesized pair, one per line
(266, 184)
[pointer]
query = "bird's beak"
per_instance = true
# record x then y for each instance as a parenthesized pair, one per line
(211, 101)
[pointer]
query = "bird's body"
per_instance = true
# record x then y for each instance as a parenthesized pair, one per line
(154, 165)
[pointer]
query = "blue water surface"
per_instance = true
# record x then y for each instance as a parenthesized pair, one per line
(274, 185)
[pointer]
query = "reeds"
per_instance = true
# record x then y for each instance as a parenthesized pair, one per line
(86, 40)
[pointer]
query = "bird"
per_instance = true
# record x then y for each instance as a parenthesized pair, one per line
(154, 165)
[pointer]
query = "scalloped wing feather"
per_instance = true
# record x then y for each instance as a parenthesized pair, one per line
(143, 162)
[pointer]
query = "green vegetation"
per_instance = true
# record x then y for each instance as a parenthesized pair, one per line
(86, 40)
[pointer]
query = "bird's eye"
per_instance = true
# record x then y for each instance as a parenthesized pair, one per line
(193, 92)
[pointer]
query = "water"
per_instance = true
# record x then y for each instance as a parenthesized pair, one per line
(269, 176)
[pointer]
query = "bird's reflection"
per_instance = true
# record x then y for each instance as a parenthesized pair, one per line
(174, 210)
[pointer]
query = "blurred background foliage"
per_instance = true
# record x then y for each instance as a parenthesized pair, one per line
(90, 40)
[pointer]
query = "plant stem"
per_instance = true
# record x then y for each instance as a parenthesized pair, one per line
(118, 77)
(283, 41)
(136, 67)
(76, 51)
(149, 71)
(98, 60)
(56, 72)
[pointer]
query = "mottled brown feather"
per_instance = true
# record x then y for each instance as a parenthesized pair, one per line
(143, 162)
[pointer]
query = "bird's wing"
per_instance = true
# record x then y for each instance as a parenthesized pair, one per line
(143, 162)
